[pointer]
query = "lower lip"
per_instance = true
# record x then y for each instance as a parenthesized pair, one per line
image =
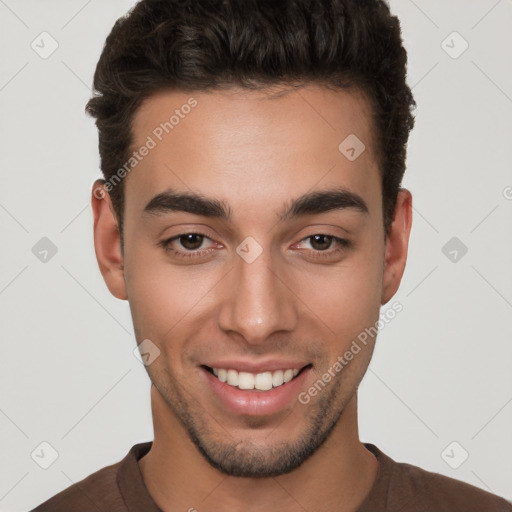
(255, 402)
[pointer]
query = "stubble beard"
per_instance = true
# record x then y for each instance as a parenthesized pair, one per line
(244, 458)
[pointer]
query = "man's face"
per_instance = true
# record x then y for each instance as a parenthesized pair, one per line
(281, 299)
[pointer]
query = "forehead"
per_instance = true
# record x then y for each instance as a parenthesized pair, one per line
(243, 146)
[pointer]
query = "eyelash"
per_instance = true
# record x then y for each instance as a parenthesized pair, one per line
(343, 245)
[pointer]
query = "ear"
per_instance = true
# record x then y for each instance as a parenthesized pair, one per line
(107, 241)
(397, 244)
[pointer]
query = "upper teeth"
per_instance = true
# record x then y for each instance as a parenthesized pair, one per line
(261, 381)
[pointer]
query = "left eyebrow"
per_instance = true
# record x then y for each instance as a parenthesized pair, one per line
(312, 203)
(322, 201)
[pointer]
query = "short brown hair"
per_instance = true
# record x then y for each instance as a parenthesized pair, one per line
(199, 45)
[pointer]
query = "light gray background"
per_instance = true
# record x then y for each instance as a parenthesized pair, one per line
(441, 371)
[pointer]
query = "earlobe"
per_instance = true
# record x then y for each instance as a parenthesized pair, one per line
(397, 245)
(107, 243)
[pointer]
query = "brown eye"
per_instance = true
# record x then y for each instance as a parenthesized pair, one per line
(191, 241)
(321, 242)
(188, 246)
(324, 247)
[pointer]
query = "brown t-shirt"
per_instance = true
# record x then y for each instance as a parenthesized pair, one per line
(399, 487)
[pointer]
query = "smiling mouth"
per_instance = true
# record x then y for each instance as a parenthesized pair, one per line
(263, 381)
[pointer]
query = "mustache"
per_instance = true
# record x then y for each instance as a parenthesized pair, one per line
(311, 350)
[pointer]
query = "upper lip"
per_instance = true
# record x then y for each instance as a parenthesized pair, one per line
(270, 365)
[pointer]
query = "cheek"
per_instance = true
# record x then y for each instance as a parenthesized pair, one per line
(165, 300)
(350, 290)
(149, 291)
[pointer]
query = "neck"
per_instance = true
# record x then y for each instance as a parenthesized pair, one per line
(338, 476)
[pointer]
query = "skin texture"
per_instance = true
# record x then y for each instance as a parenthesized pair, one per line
(255, 152)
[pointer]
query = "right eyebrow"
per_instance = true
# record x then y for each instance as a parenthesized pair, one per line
(173, 201)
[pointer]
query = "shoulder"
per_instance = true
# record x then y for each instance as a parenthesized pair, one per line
(98, 491)
(440, 492)
(411, 488)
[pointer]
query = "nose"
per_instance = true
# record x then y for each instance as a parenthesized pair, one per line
(258, 301)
